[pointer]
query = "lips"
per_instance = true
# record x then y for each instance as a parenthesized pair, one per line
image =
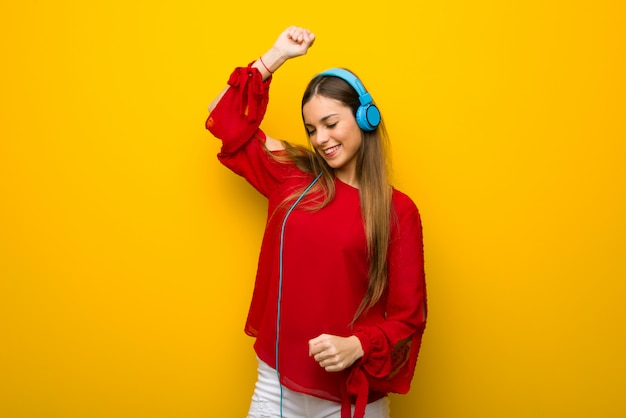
(329, 152)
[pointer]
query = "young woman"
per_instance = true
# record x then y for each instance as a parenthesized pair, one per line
(339, 304)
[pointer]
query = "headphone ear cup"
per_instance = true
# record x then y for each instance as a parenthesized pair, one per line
(368, 117)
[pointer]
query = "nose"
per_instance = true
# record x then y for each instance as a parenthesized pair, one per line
(322, 137)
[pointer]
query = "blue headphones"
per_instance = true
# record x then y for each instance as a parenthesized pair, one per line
(367, 115)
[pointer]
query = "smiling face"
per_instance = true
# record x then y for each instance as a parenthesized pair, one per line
(335, 135)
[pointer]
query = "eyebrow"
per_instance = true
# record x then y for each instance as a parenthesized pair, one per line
(324, 119)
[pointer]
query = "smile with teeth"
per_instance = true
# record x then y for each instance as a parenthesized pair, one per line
(331, 150)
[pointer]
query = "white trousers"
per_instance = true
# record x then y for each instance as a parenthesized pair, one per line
(266, 401)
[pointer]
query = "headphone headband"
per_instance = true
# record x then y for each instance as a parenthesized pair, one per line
(367, 115)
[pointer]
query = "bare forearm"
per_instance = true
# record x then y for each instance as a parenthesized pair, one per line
(292, 42)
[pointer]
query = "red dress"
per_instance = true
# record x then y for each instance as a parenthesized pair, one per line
(324, 267)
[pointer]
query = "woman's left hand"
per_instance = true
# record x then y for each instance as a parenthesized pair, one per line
(335, 353)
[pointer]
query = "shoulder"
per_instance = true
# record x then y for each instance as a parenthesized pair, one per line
(406, 218)
(402, 203)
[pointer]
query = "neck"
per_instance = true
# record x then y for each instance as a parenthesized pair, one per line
(348, 178)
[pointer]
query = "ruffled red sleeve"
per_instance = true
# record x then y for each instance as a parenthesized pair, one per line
(238, 114)
(391, 346)
(236, 120)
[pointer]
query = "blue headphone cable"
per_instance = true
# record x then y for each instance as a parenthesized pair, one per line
(280, 280)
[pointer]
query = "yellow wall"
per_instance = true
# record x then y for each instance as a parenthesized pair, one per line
(127, 253)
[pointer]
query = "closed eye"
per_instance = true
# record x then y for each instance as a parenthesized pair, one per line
(311, 131)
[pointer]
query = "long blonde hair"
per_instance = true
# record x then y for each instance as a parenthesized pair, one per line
(374, 188)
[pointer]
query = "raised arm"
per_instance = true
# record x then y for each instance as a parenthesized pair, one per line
(292, 42)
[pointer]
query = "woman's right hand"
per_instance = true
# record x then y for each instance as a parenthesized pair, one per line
(294, 42)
